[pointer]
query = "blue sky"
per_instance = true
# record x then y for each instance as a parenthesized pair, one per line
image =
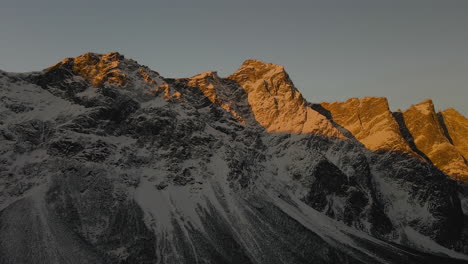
(333, 50)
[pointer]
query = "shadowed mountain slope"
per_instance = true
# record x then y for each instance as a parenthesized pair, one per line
(105, 161)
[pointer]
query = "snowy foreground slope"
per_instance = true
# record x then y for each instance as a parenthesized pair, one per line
(103, 160)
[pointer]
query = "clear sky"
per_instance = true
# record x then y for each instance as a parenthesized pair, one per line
(406, 50)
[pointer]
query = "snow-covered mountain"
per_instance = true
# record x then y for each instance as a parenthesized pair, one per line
(103, 160)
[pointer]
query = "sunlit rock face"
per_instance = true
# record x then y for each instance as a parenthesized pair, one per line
(419, 131)
(220, 92)
(456, 127)
(276, 104)
(106, 70)
(370, 121)
(103, 160)
(96, 68)
(429, 137)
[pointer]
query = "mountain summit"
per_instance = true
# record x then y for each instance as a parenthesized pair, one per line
(276, 104)
(98, 69)
(432, 137)
(370, 121)
(103, 160)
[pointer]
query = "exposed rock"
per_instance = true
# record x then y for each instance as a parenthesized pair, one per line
(455, 126)
(429, 137)
(276, 104)
(370, 121)
(211, 86)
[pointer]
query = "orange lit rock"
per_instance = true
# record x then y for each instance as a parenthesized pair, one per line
(213, 87)
(100, 69)
(370, 121)
(423, 124)
(457, 129)
(276, 104)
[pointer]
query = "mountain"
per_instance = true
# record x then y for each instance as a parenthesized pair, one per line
(455, 128)
(370, 121)
(276, 104)
(429, 136)
(419, 131)
(103, 160)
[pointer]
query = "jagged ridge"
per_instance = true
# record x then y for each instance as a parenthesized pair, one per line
(196, 171)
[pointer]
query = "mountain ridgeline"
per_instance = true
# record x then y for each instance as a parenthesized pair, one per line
(103, 160)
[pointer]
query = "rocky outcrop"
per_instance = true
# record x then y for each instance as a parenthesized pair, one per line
(370, 121)
(103, 70)
(276, 104)
(429, 137)
(218, 92)
(99, 70)
(455, 126)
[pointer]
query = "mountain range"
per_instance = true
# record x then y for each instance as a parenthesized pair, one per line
(103, 160)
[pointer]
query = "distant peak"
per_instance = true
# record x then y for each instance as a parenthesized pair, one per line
(253, 61)
(425, 107)
(450, 109)
(261, 65)
(377, 102)
(370, 121)
(203, 75)
(255, 70)
(368, 101)
(111, 55)
(453, 112)
(375, 98)
(426, 102)
(99, 69)
(93, 58)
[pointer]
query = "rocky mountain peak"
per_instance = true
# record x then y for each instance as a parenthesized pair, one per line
(425, 107)
(206, 75)
(218, 92)
(370, 121)
(99, 69)
(276, 103)
(432, 137)
(455, 126)
(454, 112)
(111, 69)
(252, 71)
(258, 64)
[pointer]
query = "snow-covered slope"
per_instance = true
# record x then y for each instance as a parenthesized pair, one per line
(103, 160)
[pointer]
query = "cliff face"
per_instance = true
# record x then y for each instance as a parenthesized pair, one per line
(456, 127)
(270, 99)
(440, 138)
(370, 121)
(219, 92)
(105, 70)
(103, 160)
(429, 137)
(276, 104)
